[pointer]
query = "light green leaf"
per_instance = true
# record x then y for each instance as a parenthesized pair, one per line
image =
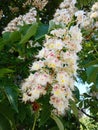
(15, 36)
(31, 32)
(74, 108)
(51, 25)
(58, 121)
(4, 71)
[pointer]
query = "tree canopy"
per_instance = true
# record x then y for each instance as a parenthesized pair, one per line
(35, 28)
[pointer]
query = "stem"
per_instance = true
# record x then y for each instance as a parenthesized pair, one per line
(35, 119)
(71, 23)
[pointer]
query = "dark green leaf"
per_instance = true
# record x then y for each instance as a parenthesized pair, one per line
(80, 104)
(44, 116)
(6, 35)
(97, 81)
(3, 43)
(25, 111)
(54, 128)
(46, 110)
(41, 31)
(12, 95)
(77, 93)
(7, 112)
(91, 63)
(23, 29)
(92, 73)
(4, 124)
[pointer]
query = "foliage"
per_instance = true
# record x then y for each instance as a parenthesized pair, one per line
(85, 4)
(89, 71)
(16, 55)
(88, 124)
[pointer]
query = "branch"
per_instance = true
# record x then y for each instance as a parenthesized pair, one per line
(94, 118)
(89, 35)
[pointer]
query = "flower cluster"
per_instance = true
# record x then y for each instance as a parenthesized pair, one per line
(28, 18)
(14, 9)
(39, 4)
(57, 62)
(83, 19)
(28, 2)
(65, 13)
(88, 20)
(94, 13)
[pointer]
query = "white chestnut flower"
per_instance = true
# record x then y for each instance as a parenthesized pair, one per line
(94, 14)
(95, 7)
(37, 65)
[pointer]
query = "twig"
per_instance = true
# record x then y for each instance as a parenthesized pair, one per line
(89, 35)
(94, 118)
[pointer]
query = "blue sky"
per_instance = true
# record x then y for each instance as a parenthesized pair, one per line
(82, 87)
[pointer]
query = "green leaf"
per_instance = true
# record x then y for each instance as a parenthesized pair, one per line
(15, 36)
(46, 110)
(30, 32)
(6, 35)
(23, 29)
(58, 121)
(44, 116)
(51, 26)
(80, 104)
(7, 112)
(54, 128)
(24, 110)
(97, 81)
(74, 108)
(4, 124)
(94, 62)
(12, 95)
(9, 38)
(3, 43)
(92, 73)
(5, 71)
(83, 125)
(77, 93)
(12, 36)
(41, 31)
